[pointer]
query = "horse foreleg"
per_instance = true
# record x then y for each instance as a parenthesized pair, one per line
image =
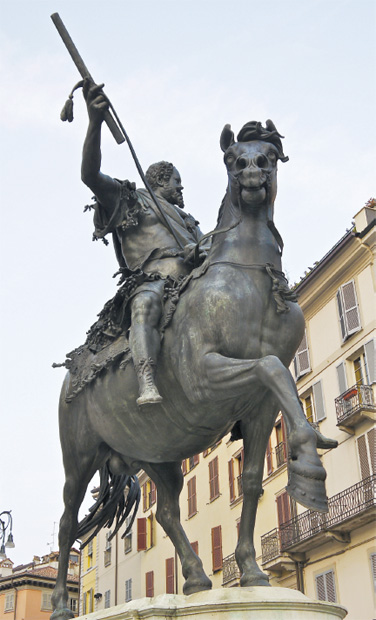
(169, 480)
(306, 473)
(255, 434)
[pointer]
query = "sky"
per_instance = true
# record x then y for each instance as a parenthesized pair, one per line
(176, 73)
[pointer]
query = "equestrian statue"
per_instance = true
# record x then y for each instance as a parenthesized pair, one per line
(196, 343)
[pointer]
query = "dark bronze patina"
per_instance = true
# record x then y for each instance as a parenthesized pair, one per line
(229, 335)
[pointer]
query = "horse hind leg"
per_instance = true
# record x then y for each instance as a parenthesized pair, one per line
(76, 483)
(169, 480)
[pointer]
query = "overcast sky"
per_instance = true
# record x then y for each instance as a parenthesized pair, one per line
(176, 72)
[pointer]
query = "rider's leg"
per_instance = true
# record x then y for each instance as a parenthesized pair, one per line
(144, 341)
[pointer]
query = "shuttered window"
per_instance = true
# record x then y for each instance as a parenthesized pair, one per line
(216, 536)
(348, 309)
(192, 497)
(373, 569)
(213, 479)
(325, 587)
(283, 508)
(231, 480)
(128, 590)
(141, 534)
(184, 466)
(194, 546)
(149, 579)
(9, 601)
(107, 599)
(369, 351)
(170, 576)
(301, 360)
(269, 458)
(341, 376)
(367, 453)
(46, 601)
(318, 398)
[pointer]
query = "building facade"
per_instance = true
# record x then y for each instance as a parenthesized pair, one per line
(26, 590)
(327, 556)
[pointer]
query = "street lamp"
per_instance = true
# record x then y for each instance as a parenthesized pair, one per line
(5, 524)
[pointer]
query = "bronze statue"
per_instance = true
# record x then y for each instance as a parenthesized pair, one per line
(230, 328)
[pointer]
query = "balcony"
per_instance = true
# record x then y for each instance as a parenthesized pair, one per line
(355, 404)
(230, 571)
(352, 508)
(280, 453)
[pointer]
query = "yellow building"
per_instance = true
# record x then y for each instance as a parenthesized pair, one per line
(329, 557)
(88, 577)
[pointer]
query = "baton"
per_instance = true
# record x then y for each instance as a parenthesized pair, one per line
(83, 70)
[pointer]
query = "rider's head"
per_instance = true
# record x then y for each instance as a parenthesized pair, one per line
(165, 180)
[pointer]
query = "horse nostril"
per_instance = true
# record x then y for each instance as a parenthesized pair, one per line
(241, 162)
(261, 161)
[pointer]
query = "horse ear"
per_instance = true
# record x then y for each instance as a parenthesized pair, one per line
(227, 138)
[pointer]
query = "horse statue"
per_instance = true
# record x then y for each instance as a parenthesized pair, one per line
(223, 365)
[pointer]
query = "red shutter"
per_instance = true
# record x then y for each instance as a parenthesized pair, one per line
(283, 426)
(170, 576)
(145, 496)
(231, 480)
(153, 493)
(205, 453)
(184, 467)
(196, 459)
(283, 508)
(194, 546)
(269, 459)
(192, 497)
(213, 478)
(141, 534)
(149, 577)
(216, 534)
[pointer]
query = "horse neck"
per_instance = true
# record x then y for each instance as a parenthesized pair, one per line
(248, 241)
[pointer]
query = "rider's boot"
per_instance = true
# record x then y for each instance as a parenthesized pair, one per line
(149, 395)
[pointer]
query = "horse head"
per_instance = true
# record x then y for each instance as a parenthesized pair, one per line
(251, 164)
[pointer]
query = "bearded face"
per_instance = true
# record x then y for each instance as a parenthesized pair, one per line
(172, 190)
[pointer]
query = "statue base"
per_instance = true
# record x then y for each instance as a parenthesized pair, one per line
(259, 603)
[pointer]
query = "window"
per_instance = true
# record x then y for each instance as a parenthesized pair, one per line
(73, 604)
(269, 458)
(150, 531)
(128, 536)
(313, 403)
(188, 464)
(145, 533)
(286, 510)
(213, 479)
(280, 449)
(128, 590)
(216, 536)
(235, 471)
(301, 359)
(149, 578)
(9, 602)
(107, 599)
(192, 497)
(46, 601)
(88, 601)
(149, 494)
(348, 309)
(367, 453)
(107, 550)
(341, 377)
(170, 576)
(373, 569)
(89, 554)
(325, 587)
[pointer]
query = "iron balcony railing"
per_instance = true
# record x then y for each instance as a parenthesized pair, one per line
(230, 570)
(353, 400)
(343, 506)
(280, 453)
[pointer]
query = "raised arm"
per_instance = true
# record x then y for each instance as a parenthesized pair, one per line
(105, 188)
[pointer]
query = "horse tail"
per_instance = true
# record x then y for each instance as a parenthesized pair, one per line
(114, 503)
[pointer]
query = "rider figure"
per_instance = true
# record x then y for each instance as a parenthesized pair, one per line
(141, 237)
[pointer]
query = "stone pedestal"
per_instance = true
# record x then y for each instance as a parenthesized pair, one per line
(257, 603)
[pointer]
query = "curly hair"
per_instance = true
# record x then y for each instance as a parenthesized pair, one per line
(161, 169)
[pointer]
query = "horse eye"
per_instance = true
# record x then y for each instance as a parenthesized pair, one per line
(229, 160)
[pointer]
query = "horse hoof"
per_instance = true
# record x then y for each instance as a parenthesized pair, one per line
(310, 492)
(191, 588)
(62, 614)
(261, 579)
